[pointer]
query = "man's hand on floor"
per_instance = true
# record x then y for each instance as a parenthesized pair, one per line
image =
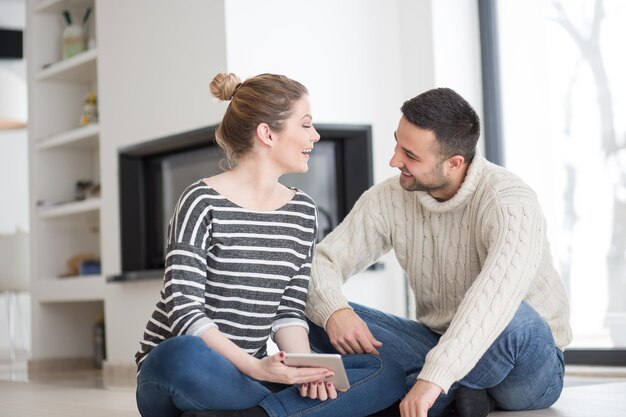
(419, 399)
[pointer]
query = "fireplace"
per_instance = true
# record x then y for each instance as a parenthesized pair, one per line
(154, 174)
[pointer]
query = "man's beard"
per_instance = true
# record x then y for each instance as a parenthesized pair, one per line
(437, 181)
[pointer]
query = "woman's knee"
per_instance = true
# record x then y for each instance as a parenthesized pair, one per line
(174, 359)
(385, 371)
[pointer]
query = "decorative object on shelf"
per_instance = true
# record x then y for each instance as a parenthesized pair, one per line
(89, 267)
(47, 203)
(74, 39)
(99, 348)
(83, 262)
(86, 189)
(90, 110)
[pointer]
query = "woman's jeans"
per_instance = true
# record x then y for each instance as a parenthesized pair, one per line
(522, 370)
(183, 373)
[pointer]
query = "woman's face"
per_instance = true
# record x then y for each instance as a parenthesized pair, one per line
(296, 140)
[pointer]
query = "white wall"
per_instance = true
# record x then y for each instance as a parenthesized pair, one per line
(348, 54)
(360, 60)
(14, 170)
(13, 143)
(456, 48)
(156, 60)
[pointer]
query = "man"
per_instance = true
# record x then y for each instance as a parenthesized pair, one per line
(492, 312)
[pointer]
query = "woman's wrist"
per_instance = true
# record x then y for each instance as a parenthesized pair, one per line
(252, 368)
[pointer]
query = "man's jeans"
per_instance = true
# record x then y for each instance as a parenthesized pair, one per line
(522, 370)
(183, 373)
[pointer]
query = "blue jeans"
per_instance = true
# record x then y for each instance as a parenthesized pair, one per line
(522, 370)
(183, 373)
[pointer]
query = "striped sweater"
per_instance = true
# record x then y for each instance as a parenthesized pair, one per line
(244, 272)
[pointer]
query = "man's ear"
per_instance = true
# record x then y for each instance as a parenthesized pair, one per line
(264, 133)
(455, 162)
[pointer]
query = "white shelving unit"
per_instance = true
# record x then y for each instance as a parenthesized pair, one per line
(79, 289)
(70, 209)
(78, 68)
(86, 137)
(62, 153)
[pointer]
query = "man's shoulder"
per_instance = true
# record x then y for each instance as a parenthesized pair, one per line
(383, 190)
(391, 183)
(502, 179)
(506, 186)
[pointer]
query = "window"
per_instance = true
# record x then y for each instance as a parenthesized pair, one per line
(562, 97)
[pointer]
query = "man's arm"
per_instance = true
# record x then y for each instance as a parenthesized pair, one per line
(361, 239)
(514, 237)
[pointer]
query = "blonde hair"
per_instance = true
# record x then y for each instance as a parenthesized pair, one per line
(265, 98)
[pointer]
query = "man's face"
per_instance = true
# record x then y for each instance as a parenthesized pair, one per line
(415, 155)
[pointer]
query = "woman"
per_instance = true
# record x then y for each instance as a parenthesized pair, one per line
(237, 268)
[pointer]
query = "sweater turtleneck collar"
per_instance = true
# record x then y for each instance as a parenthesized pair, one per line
(462, 196)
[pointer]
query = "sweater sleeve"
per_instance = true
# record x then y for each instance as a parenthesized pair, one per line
(514, 238)
(361, 239)
(186, 266)
(292, 303)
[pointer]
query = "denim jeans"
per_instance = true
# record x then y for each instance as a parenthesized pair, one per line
(183, 373)
(522, 369)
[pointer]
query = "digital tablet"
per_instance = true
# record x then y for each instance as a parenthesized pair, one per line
(321, 360)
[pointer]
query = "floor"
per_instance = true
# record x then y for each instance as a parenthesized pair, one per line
(589, 392)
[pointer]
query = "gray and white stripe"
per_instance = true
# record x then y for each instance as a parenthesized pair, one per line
(245, 272)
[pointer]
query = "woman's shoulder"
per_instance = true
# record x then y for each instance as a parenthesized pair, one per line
(197, 196)
(198, 188)
(301, 198)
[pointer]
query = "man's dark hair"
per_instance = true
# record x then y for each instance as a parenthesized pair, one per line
(454, 122)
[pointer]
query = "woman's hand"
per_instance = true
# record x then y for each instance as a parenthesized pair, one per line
(272, 369)
(319, 389)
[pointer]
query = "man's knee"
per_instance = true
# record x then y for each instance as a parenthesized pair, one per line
(527, 321)
(523, 397)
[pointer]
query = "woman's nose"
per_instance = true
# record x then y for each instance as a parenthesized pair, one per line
(316, 136)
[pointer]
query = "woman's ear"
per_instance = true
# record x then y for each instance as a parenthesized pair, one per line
(264, 133)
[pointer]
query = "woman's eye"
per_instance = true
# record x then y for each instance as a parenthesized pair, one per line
(307, 126)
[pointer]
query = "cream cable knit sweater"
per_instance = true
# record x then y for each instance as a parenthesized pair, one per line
(470, 261)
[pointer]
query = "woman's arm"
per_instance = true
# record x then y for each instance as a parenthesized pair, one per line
(270, 368)
(293, 339)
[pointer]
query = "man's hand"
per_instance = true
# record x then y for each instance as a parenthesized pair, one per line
(349, 334)
(419, 399)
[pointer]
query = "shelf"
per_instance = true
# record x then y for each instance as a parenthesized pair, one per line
(68, 209)
(79, 68)
(70, 289)
(57, 6)
(85, 137)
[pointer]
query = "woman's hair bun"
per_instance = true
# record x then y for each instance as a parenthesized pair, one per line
(224, 85)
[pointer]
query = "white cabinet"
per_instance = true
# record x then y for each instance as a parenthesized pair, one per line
(62, 154)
